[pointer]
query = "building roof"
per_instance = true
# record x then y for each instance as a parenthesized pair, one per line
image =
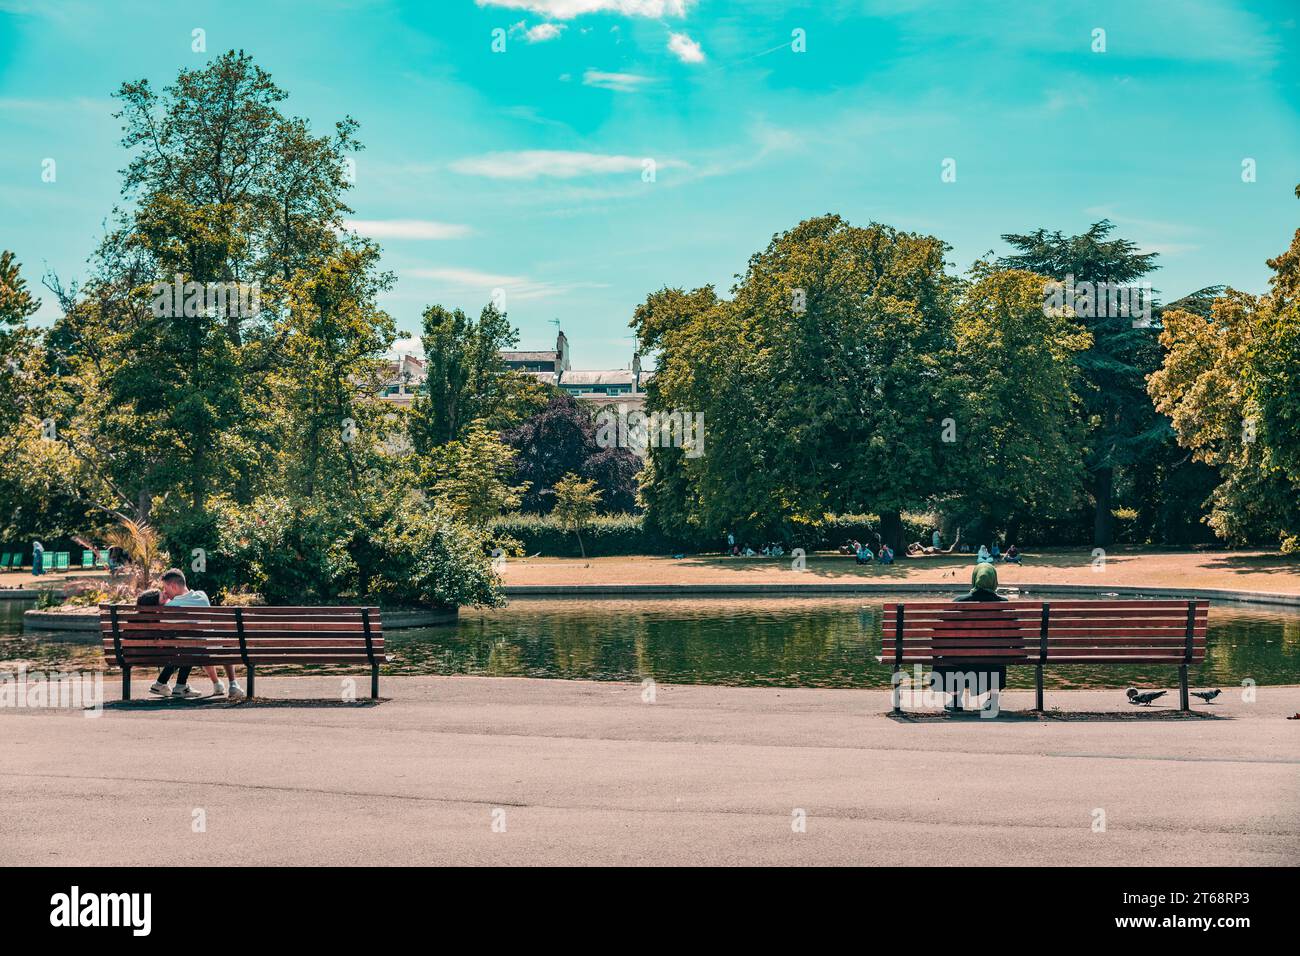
(528, 356)
(618, 376)
(404, 368)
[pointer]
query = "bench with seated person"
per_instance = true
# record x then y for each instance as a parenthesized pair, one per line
(196, 636)
(988, 635)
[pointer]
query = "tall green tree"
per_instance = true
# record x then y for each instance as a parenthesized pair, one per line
(467, 381)
(472, 475)
(36, 487)
(1123, 428)
(1230, 383)
(1019, 437)
(821, 381)
(222, 189)
(17, 340)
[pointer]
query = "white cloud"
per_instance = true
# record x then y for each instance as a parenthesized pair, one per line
(543, 32)
(538, 34)
(684, 48)
(568, 9)
(620, 82)
(558, 164)
(407, 229)
(480, 285)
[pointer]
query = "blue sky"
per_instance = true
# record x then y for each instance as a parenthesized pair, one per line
(522, 169)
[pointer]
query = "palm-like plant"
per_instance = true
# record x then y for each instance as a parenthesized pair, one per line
(139, 542)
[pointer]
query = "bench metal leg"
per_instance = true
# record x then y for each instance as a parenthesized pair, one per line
(374, 681)
(1182, 687)
(1038, 689)
(126, 683)
(251, 675)
(898, 690)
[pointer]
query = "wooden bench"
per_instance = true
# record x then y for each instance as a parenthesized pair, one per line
(991, 634)
(196, 636)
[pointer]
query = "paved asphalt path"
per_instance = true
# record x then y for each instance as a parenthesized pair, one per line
(467, 770)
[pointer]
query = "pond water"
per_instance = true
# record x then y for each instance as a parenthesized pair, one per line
(776, 642)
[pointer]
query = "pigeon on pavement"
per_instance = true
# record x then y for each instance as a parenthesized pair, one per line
(1145, 699)
(1207, 695)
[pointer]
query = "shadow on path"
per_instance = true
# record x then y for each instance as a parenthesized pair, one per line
(208, 703)
(1029, 716)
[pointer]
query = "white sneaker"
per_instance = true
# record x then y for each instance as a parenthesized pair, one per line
(236, 691)
(185, 692)
(218, 689)
(157, 687)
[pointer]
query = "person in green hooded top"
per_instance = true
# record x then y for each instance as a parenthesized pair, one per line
(984, 587)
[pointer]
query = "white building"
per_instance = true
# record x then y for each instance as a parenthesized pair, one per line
(595, 387)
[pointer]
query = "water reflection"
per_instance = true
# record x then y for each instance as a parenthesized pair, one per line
(779, 642)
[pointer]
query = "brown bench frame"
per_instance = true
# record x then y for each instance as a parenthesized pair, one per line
(1193, 650)
(111, 620)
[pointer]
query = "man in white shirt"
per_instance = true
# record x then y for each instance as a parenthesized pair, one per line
(176, 593)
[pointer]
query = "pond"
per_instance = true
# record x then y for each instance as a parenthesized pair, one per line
(752, 642)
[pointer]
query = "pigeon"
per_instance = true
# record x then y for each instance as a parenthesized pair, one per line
(1207, 695)
(1144, 699)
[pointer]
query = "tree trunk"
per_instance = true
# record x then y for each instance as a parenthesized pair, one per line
(143, 506)
(891, 530)
(1102, 525)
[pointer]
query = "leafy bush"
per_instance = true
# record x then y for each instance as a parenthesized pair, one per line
(425, 557)
(400, 551)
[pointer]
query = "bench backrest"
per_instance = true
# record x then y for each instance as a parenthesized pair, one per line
(142, 636)
(1028, 632)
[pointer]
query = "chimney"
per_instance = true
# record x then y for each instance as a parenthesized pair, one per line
(561, 353)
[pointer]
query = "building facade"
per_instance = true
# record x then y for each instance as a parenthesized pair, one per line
(407, 374)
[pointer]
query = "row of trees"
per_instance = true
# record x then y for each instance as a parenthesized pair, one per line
(247, 431)
(850, 372)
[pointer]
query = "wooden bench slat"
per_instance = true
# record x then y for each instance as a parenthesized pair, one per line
(157, 636)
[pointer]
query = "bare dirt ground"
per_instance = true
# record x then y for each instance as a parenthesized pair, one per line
(1236, 570)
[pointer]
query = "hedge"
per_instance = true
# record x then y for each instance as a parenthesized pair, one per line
(613, 535)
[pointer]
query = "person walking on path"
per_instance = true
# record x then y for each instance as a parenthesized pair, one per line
(38, 558)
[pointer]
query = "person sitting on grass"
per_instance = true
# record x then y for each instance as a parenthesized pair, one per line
(864, 555)
(176, 593)
(995, 552)
(916, 549)
(1012, 554)
(886, 555)
(983, 556)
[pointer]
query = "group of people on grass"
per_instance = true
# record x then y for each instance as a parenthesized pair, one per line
(865, 552)
(773, 549)
(176, 593)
